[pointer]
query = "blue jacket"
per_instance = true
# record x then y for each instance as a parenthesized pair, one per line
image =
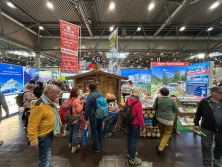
(90, 108)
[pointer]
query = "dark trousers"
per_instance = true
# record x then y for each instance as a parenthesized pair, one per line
(96, 131)
(206, 143)
(45, 145)
(26, 117)
(132, 139)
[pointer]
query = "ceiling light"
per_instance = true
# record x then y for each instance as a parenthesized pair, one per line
(111, 28)
(214, 5)
(210, 28)
(10, 4)
(41, 28)
(161, 54)
(139, 28)
(151, 6)
(49, 4)
(182, 28)
(147, 53)
(112, 6)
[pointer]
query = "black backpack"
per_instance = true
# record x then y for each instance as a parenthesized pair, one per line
(127, 116)
(19, 100)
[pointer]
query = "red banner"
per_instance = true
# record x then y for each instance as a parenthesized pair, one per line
(170, 63)
(69, 40)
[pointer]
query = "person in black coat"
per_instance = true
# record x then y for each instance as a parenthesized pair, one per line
(38, 89)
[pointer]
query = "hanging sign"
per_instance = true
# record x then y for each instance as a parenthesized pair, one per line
(69, 37)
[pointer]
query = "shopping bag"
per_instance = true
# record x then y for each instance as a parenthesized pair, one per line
(85, 136)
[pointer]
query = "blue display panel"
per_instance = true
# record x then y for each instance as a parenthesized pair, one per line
(11, 78)
(30, 74)
(198, 77)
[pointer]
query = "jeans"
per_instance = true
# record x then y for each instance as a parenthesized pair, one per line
(73, 133)
(206, 143)
(165, 133)
(96, 131)
(132, 139)
(45, 144)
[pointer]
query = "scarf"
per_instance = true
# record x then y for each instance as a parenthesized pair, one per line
(57, 120)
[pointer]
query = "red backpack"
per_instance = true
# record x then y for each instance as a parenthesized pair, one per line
(66, 112)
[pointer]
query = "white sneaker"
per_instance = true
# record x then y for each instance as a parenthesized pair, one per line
(136, 154)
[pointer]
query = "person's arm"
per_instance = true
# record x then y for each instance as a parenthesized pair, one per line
(175, 108)
(88, 107)
(35, 118)
(198, 115)
(4, 105)
(154, 105)
(140, 118)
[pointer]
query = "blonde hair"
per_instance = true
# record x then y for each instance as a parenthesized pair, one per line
(30, 86)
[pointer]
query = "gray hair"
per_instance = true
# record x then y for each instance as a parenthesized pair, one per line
(49, 88)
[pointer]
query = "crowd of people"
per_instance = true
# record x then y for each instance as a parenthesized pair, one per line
(43, 120)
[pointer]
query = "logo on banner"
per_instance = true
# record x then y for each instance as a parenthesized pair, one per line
(158, 58)
(11, 68)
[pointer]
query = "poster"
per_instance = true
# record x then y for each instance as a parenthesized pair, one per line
(69, 40)
(30, 74)
(45, 76)
(63, 75)
(11, 78)
(198, 77)
(137, 78)
(13, 108)
(54, 75)
(171, 75)
(113, 39)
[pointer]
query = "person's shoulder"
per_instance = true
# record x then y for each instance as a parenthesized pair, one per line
(39, 102)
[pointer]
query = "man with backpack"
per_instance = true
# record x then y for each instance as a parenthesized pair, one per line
(96, 108)
(3, 105)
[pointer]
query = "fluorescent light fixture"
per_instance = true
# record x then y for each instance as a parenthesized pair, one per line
(216, 4)
(111, 28)
(182, 28)
(112, 6)
(49, 4)
(139, 28)
(210, 28)
(151, 6)
(120, 55)
(41, 28)
(10, 4)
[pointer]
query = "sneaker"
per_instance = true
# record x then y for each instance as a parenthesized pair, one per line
(74, 149)
(92, 150)
(136, 154)
(1, 142)
(135, 161)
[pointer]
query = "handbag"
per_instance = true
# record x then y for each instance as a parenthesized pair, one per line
(154, 121)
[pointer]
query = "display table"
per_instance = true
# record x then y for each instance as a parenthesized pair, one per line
(187, 108)
(13, 108)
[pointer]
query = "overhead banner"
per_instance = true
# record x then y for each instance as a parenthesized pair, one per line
(169, 74)
(30, 74)
(11, 79)
(199, 79)
(69, 39)
(113, 49)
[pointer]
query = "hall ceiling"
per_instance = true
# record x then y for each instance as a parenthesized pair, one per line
(95, 19)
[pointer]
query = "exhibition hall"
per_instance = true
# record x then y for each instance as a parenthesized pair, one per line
(110, 83)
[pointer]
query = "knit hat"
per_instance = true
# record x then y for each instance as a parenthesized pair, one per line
(136, 92)
(216, 89)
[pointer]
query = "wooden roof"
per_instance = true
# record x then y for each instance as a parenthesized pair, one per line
(99, 72)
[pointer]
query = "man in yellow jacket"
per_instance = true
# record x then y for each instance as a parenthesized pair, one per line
(44, 123)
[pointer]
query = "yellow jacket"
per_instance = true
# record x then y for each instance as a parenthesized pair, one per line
(41, 121)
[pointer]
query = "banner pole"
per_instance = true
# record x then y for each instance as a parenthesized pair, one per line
(80, 49)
